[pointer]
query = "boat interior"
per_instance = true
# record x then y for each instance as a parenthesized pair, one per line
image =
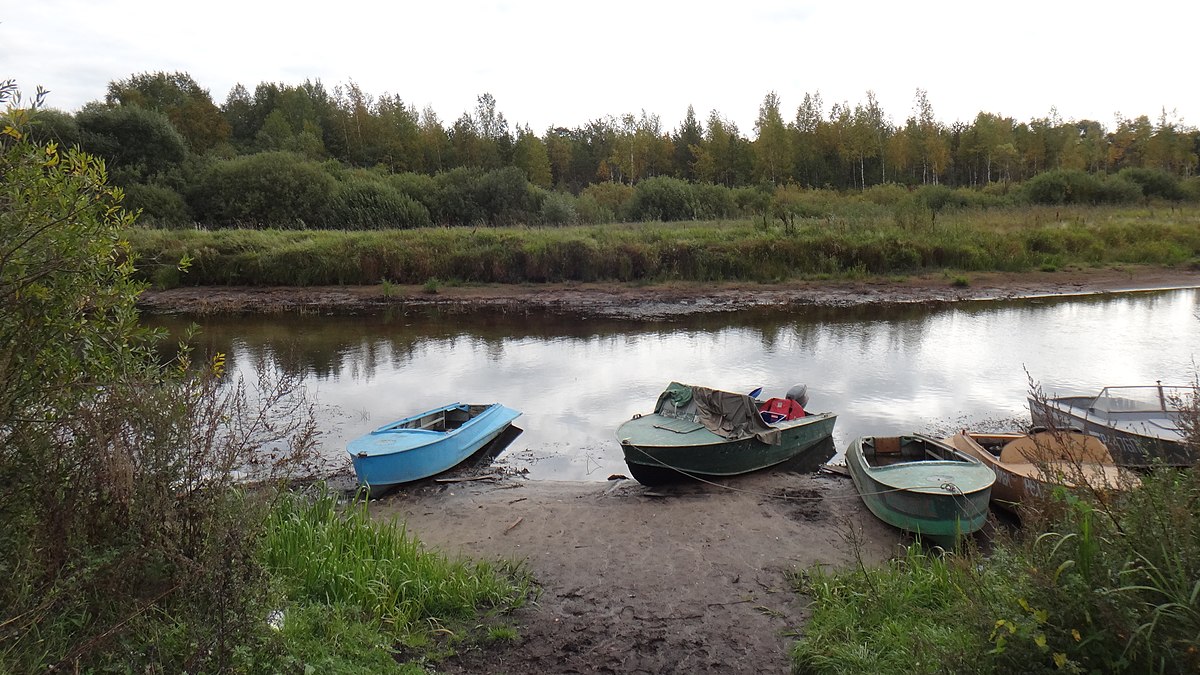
(1044, 446)
(446, 419)
(888, 450)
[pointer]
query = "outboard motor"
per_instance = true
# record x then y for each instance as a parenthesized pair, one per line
(799, 394)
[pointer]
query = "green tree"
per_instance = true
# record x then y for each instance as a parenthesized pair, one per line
(929, 146)
(686, 138)
(560, 150)
(140, 141)
(189, 106)
(530, 156)
(126, 545)
(807, 152)
(771, 151)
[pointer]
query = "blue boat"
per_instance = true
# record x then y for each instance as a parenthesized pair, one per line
(426, 444)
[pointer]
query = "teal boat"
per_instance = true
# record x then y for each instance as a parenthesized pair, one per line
(695, 432)
(921, 485)
(426, 444)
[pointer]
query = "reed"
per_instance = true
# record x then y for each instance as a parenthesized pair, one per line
(850, 243)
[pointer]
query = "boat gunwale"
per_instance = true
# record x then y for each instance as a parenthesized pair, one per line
(438, 437)
(969, 464)
(717, 439)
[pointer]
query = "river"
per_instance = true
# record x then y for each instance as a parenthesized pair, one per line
(882, 369)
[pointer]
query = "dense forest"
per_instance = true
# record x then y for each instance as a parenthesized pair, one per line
(302, 156)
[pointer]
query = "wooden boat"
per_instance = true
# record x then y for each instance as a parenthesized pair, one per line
(921, 485)
(695, 432)
(1139, 424)
(426, 444)
(1029, 466)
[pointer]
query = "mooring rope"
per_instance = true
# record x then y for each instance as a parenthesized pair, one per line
(947, 486)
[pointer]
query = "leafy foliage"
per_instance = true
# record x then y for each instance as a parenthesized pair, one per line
(123, 527)
(270, 189)
(140, 140)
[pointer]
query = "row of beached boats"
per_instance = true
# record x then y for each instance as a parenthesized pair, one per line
(938, 488)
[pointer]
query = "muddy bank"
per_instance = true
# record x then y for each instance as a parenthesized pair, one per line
(665, 300)
(690, 578)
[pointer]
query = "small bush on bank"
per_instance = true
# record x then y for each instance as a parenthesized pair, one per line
(558, 209)
(270, 189)
(1154, 183)
(361, 204)
(160, 206)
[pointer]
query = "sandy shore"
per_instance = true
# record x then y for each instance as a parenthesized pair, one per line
(681, 579)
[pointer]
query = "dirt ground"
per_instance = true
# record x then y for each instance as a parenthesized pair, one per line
(679, 579)
(666, 300)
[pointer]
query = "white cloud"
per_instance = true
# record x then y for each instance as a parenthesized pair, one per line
(563, 63)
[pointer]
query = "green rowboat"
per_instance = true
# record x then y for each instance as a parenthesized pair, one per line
(673, 443)
(921, 485)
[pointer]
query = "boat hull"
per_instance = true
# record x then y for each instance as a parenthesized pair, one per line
(391, 456)
(937, 500)
(1024, 482)
(1128, 447)
(656, 455)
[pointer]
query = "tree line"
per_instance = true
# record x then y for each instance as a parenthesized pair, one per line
(306, 156)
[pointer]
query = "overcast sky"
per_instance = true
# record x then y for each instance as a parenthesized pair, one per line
(562, 63)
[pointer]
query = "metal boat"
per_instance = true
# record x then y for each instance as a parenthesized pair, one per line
(1029, 466)
(1140, 425)
(696, 432)
(426, 444)
(921, 485)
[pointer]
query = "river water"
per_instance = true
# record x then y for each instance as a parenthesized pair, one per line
(882, 369)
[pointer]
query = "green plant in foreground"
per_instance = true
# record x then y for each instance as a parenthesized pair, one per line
(432, 285)
(388, 288)
(331, 558)
(911, 615)
(502, 634)
(1094, 583)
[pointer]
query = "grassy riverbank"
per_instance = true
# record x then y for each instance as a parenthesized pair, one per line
(1088, 585)
(854, 243)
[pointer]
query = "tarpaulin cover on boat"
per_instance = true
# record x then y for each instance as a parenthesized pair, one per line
(724, 413)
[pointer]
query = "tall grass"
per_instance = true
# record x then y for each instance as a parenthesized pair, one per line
(1110, 586)
(894, 619)
(332, 563)
(847, 243)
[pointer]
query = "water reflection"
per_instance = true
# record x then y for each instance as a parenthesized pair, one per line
(882, 369)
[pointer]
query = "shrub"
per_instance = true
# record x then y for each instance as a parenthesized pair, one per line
(591, 212)
(1119, 190)
(713, 202)
(1154, 182)
(663, 198)
(126, 545)
(364, 204)
(159, 205)
(558, 208)
(269, 189)
(888, 194)
(1063, 186)
(417, 186)
(614, 198)
(131, 137)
